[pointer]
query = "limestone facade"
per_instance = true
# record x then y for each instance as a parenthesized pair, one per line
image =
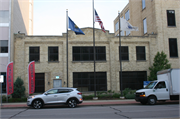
(111, 65)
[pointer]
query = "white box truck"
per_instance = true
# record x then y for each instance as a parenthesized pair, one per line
(166, 87)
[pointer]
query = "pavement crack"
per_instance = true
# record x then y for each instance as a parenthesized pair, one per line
(119, 113)
(18, 113)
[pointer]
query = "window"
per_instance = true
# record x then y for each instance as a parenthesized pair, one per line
(4, 16)
(87, 53)
(127, 16)
(160, 85)
(39, 82)
(53, 91)
(128, 33)
(171, 18)
(143, 4)
(52, 53)
(140, 53)
(117, 26)
(124, 53)
(4, 83)
(145, 26)
(133, 79)
(173, 50)
(34, 54)
(84, 81)
(3, 46)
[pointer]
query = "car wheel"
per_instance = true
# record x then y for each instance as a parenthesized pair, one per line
(152, 100)
(72, 103)
(37, 104)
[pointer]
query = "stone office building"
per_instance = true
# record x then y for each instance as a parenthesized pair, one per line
(49, 53)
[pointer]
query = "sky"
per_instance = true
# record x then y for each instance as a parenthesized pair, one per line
(50, 15)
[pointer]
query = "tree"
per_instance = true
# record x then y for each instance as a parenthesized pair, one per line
(160, 63)
(19, 89)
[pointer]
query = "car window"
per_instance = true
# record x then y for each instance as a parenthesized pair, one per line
(161, 85)
(54, 91)
(64, 90)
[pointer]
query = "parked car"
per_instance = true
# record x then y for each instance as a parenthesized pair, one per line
(165, 88)
(68, 96)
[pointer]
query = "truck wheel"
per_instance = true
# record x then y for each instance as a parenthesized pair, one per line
(152, 100)
(37, 104)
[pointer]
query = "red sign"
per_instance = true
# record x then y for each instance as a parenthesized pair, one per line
(9, 79)
(31, 76)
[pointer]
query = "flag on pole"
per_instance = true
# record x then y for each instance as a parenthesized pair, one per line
(31, 77)
(126, 26)
(74, 27)
(97, 19)
(9, 79)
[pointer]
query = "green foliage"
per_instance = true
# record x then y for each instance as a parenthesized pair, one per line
(160, 63)
(19, 89)
(130, 96)
(126, 91)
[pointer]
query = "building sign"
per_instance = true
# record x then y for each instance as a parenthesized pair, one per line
(9, 79)
(31, 77)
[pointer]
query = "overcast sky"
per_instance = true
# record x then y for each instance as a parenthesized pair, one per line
(50, 15)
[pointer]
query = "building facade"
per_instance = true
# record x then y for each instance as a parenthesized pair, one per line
(160, 17)
(15, 16)
(49, 54)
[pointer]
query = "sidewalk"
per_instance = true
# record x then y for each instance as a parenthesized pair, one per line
(89, 103)
(85, 103)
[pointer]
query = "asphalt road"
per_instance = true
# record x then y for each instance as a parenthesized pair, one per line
(88, 112)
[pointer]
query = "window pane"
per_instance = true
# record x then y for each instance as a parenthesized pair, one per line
(171, 18)
(140, 53)
(127, 16)
(4, 16)
(124, 53)
(52, 53)
(173, 48)
(3, 46)
(145, 25)
(34, 54)
(143, 4)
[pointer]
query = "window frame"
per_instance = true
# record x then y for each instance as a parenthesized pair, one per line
(34, 54)
(53, 54)
(124, 53)
(140, 53)
(168, 24)
(173, 47)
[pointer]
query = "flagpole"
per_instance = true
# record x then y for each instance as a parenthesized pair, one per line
(120, 57)
(94, 56)
(67, 43)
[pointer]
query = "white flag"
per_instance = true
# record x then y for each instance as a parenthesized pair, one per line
(126, 26)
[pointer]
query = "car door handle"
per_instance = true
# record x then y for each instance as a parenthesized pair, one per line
(166, 89)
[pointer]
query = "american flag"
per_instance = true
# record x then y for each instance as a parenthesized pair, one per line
(97, 19)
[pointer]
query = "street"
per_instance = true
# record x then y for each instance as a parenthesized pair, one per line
(111, 112)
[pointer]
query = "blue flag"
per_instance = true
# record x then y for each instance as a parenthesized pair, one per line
(74, 27)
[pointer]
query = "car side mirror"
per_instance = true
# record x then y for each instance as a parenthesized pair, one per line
(45, 93)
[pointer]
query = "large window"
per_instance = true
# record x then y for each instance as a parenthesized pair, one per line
(140, 53)
(4, 83)
(34, 54)
(145, 26)
(143, 4)
(171, 18)
(3, 46)
(127, 16)
(124, 53)
(84, 81)
(87, 53)
(117, 26)
(39, 82)
(173, 50)
(133, 79)
(4, 16)
(52, 53)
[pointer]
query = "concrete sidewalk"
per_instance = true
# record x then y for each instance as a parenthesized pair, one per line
(85, 103)
(89, 103)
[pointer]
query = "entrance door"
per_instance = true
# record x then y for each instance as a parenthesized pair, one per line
(39, 82)
(57, 83)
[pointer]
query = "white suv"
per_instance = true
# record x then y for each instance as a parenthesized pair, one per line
(69, 96)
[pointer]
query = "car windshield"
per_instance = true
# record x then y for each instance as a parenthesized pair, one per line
(151, 85)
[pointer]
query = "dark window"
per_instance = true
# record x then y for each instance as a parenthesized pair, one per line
(87, 53)
(4, 83)
(173, 47)
(133, 79)
(39, 82)
(64, 90)
(3, 46)
(160, 85)
(52, 53)
(171, 18)
(124, 53)
(34, 54)
(84, 81)
(140, 53)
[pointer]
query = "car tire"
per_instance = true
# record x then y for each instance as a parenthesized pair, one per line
(37, 104)
(72, 103)
(152, 100)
